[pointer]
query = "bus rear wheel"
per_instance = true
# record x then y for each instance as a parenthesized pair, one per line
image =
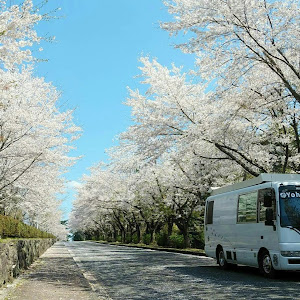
(223, 264)
(266, 266)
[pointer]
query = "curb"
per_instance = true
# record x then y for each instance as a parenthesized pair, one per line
(99, 291)
(153, 248)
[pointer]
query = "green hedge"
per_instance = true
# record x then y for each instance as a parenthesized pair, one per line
(12, 228)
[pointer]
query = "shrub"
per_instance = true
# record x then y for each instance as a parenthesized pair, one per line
(135, 239)
(78, 236)
(177, 241)
(128, 238)
(162, 239)
(101, 237)
(197, 240)
(147, 238)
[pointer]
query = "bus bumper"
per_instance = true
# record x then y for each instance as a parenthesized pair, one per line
(288, 257)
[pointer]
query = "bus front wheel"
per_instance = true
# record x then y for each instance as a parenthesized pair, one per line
(266, 266)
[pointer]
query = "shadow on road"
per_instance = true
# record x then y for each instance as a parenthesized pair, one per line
(241, 273)
(54, 276)
(59, 271)
(146, 274)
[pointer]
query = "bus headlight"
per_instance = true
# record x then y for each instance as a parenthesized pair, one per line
(290, 253)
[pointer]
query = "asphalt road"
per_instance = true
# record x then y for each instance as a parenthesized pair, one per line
(128, 273)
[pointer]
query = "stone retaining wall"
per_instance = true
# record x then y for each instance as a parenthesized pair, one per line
(19, 254)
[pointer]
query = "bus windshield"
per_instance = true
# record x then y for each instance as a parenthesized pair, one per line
(289, 199)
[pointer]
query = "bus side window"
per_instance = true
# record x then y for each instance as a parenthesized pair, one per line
(209, 212)
(247, 211)
(261, 207)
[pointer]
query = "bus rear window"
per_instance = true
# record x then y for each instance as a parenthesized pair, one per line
(209, 212)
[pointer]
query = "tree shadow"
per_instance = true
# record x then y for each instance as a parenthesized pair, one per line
(246, 282)
(145, 274)
(61, 271)
(241, 272)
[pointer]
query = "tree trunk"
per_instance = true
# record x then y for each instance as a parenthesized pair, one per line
(138, 233)
(183, 227)
(186, 237)
(137, 228)
(115, 233)
(170, 229)
(123, 235)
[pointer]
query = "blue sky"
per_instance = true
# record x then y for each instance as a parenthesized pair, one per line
(92, 61)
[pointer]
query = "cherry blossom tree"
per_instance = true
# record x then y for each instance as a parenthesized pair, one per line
(17, 33)
(258, 132)
(233, 117)
(102, 203)
(233, 37)
(251, 50)
(35, 136)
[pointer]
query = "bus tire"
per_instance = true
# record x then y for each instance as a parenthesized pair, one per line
(265, 265)
(223, 264)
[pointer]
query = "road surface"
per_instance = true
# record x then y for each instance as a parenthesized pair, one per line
(129, 273)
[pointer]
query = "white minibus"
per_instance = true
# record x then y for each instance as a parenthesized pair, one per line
(256, 223)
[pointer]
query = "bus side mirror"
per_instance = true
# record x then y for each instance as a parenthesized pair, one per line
(268, 200)
(269, 217)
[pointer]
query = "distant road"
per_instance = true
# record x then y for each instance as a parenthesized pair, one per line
(125, 273)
